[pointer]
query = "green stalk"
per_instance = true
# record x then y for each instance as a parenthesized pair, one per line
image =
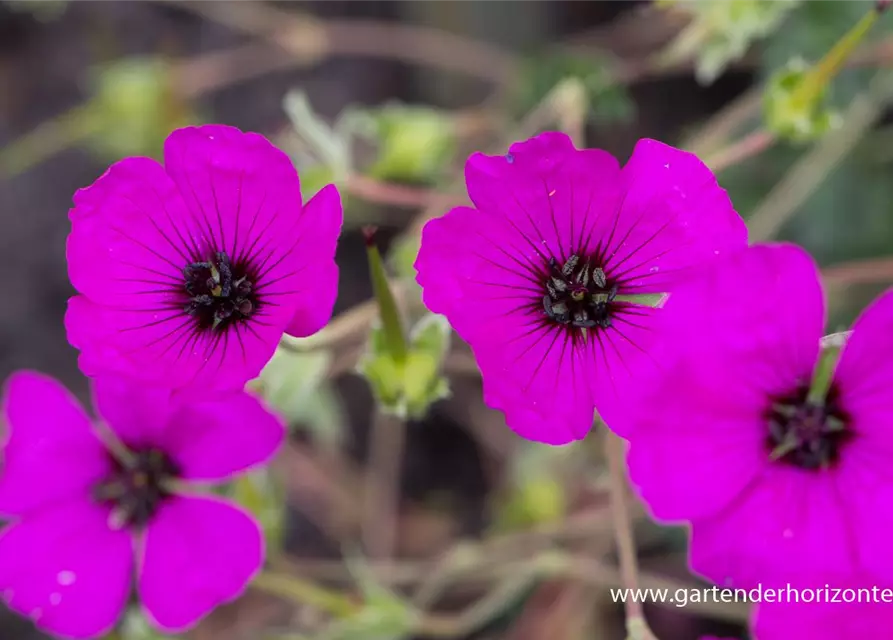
(829, 66)
(823, 374)
(392, 326)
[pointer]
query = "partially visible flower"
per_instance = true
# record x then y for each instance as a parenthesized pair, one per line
(87, 517)
(828, 611)
(781, 464)
(541, 277)
(190, 273)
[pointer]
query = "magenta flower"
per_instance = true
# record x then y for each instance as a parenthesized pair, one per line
(190, 273)
(829, 611)
(537, 278)
(85, 519)
(779, 482)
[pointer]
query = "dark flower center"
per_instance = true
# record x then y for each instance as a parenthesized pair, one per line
(578, 294)
(219, 292)
(138, 488)
(805, 433)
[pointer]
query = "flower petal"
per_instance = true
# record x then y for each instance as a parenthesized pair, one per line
(135, 411)
(138, 227)
(243, 190)
(486, 277)
(199, 553)
(789, 522)
(831, 617)
(557, 201)
(66, 569)
(541, 154)
(319, 228)
(131, 236)
(673, 216)
(215, 439)
(52, 453)
(690, 461)
(864, 374)
(166, 348)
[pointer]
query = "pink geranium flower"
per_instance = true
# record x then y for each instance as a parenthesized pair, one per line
(190, 272)
(85, 519)
(778, 482)
(538, 277)
(835, 613)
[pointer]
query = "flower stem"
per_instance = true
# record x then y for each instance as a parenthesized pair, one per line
(827, 68)
(392, 326)
(305, 592)
(636, 627)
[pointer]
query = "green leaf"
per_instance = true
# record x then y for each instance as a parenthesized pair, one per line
(295, 384)
(332, 148)
(609, 102)
(134, 626)
(261, 495)
(383, 616)
(136, 106)
(536, 495)
(415, 143)
(790, 117)
(812, 30)
(721, 32)
(407, 387)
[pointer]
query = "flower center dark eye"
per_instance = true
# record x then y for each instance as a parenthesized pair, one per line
(807, 434)
(137, 489)
(219, 293)
(578, 294)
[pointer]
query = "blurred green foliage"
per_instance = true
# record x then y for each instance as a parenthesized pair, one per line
(721, 32)
(787, 114)
(295, 384)
(407, 386)
(135, 627)
(44, 10)
(136, 107)
(260, 493)
(535, 492)
(415, 144)
(609, 101)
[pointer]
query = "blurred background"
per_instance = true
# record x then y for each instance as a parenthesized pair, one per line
(434, 520)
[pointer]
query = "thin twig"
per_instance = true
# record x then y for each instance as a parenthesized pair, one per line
(872, 270)
(310, 39)
(750, 145)
(623, 534)
(399, 195)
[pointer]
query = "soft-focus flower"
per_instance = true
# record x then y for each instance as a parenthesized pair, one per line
(190, 272)
(537, 278)
(87, 517)
(829, 611)
(779, 482)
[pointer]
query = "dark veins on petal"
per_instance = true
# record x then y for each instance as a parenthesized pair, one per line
(220, 292)
(805, 433)
(136, 489)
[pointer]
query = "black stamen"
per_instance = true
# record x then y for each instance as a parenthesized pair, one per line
(807, 434)
(137, 489)
(219, 293)
(578, 294)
